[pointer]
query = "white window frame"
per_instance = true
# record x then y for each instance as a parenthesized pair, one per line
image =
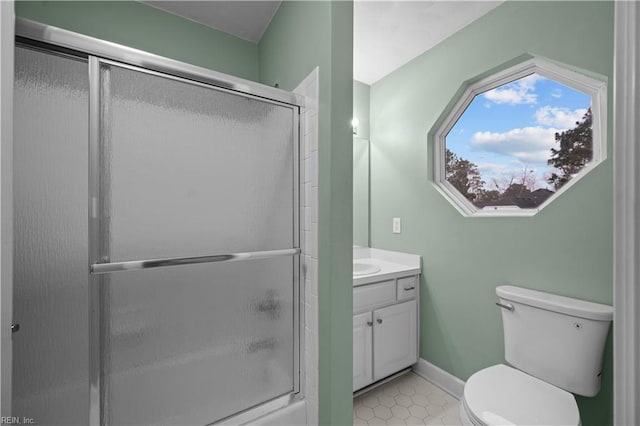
(594, 86)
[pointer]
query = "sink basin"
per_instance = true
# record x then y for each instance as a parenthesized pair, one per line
(364, 269)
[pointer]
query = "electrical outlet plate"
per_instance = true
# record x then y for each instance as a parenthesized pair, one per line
(397, 225)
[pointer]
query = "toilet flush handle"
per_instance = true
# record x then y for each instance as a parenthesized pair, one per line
(507, 306)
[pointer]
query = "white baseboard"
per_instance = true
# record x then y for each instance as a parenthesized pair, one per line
(379, 382)
(439, 377)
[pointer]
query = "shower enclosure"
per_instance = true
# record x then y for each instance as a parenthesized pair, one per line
(157, 218)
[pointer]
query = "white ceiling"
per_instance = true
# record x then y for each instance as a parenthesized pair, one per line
(245, 19)
(386, 34)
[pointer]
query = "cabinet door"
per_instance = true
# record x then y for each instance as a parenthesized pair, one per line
(362, 347)
(394, 338)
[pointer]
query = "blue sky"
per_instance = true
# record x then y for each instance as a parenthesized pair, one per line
(512, 127)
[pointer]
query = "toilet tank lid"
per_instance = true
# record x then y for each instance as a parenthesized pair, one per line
(555, 303)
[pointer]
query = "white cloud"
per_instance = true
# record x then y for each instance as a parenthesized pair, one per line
(502, 174)
(492, 168)
(559, 117)
(557, 93)
(518, 92)
(529, 145)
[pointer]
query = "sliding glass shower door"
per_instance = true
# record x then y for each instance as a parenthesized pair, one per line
(186, 173)
(50, 285)
(156, 245)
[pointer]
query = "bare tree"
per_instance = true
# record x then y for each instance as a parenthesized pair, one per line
(528, 178)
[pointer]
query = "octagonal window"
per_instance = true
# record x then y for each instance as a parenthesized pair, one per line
(517, 139)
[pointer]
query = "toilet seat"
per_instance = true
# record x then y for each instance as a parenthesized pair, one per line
(502, 395)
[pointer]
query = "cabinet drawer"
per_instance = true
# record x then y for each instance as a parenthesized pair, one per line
(368, 296)
(407, 287)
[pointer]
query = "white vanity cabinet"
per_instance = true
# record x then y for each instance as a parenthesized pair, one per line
(385, 329)
(395, 338)
(362, 350)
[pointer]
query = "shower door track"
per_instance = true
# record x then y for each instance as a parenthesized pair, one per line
(98, 51)
(86, 45)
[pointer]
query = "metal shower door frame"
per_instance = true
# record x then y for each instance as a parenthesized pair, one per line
(85, 45)
(102, 52)
(100, 265)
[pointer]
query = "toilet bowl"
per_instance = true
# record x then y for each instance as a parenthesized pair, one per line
(502, 395)
(554, 346)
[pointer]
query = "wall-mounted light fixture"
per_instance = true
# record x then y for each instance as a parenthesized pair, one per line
(354, 125)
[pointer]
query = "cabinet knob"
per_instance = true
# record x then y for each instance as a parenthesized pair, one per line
(369, 323)
(379, 320)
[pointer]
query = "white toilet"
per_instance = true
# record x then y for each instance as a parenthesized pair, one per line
(554, 345)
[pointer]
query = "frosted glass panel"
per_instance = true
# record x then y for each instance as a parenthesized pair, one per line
(194, 344)
(188, 170)
(50, 352)
(193, 170)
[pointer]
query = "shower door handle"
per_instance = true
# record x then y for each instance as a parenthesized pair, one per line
(136, 265)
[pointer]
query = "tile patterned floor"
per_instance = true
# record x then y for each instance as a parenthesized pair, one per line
(406, 400)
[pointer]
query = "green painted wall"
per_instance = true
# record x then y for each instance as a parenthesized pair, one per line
(565, 249)
(361, 164)
(360, 192)
(146, 28)
(361, 104)
(301, 36)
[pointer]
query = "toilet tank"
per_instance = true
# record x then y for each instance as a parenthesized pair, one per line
(557, 339)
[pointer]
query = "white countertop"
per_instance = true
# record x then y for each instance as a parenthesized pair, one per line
(392, 264)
